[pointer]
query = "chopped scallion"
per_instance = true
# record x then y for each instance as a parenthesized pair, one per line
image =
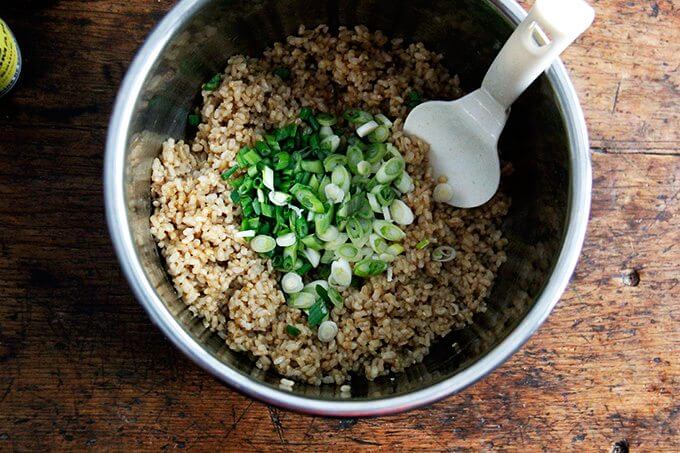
(404, 183)
(318, 313)
(443, 254)
(366, 128)
(401, 213)
(341, 273)
(291, 283)
(307, 198)
(263, 243)
(194, 120)
(388, 231)
(313, 256)
(333, 161)
(341, 178)
(227, 174)
(325, 131)
(292, 331)
(364, 168)
(286, 239)
(282, 72)
(213, 83)
(245, 234)
(349, 252)
(305, 191)
(422, 244)
(251, 156)
(312, 166)
(301, 300)
(383, 120)
(268, 178)
(369, 267)
(413, 98)
(312, 242)
(390, 170)
(357, 117)
(379, 134)
(326, 119)
(334, 194)
(279, 198)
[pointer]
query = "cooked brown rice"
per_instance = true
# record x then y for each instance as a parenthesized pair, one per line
(384, 326)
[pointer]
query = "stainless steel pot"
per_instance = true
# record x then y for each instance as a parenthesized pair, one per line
(545, 139)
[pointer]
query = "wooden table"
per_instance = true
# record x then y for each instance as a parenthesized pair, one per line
(81, 366)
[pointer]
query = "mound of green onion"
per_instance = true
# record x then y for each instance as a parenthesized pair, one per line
(321, 199)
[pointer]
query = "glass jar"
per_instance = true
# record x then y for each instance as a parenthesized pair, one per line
(10, 59)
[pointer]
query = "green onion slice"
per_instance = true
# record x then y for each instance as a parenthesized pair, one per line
(341, 178)
(384, 194)
(282, 72)
(291, 283)
(194, 120)
(357, 117)
(341, 273)
(390, 170)
(325, 131)
(369, 267)
(312, 166)
(327, 257)
(379, 135)
(364, 168)
(333, 161)
(313, 256)
(213, 83)
(349, 252)
(378, 244)
(279, 198)
(330, 144)
(422, 244)
(336, 298)
(404, 183)
(383, 120)
(323, 221)
(388, 231)
(443, 254)
(292, 331)
(395, 249)
(311, 242)
(289, 258)
(318, 313)
(268, 178)
(373, 202)
(301, 300)
(334, 244)
(326, 119)
(375, 152)
(334, 194)
(286, 240)
(401, 213)
(311, 287)
(262, 243)
(354, 156)
(330, 234)
(307, 198)
(366, 128)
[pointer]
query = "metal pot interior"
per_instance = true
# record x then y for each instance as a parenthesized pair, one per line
(468, 33)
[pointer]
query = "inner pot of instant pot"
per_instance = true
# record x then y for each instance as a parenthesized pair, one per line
(469, 33)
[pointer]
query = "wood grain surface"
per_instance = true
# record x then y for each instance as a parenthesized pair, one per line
(82, 367)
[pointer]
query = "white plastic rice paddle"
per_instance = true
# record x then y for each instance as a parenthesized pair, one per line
(463, 134)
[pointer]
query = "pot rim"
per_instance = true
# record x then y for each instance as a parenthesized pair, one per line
(118, 223)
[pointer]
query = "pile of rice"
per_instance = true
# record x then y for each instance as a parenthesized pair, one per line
(386, 325)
